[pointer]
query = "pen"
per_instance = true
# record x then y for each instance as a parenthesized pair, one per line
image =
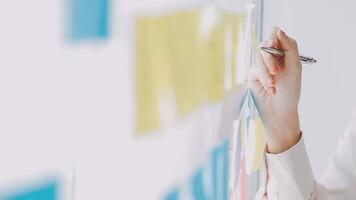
(277, 52)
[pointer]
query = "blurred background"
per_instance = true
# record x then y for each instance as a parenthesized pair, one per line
(80, 116)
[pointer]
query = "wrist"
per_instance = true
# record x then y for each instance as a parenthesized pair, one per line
(282, 131)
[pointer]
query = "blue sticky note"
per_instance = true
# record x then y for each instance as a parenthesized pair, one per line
(172, 195)
(225, 168)
(45, 191)
(197, 186)
(89, 19)
(214, 171)
(219, 166)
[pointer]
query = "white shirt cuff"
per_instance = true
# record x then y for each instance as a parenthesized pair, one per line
(289, 175)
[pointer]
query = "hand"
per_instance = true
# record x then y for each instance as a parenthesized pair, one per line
(276, 85)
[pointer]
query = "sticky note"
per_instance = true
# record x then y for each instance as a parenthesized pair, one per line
(243, 132)
(157, 49)
(255, 145)
(177, 67)
(219, 56)
(172, 195)
(183, 35)
(197, 186)
(152, 73)
(167, 65)
(235, 159)
(147, 114)
(248, 47)
(252, 133)
(219, 160)
(244, 195)
(214, 169)
(233, 28)
(225, 169)
(44, 191)
(260, 142)
(88, 19)
(214, 63)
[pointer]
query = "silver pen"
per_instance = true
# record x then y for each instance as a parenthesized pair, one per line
(277, 52)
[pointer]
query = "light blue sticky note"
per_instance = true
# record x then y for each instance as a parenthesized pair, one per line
(249, 110)
(43, 191)
(172, 195)
(197, 186)
(219, 166)
(89, 19)
(225, 168)
(214, 171)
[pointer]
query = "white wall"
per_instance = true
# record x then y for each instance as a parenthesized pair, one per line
(327, 31)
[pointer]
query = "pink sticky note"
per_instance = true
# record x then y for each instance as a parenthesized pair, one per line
(244, 180)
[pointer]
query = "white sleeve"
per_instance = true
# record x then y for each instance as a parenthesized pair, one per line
(340, 177)
(288, 175)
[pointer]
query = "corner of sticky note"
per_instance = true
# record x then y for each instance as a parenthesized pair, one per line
(174, 194)
(48, 190)
(88, 19)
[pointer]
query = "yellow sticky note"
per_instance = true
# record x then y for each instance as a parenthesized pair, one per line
(173, 59)
(158, 42)
(152, 70)
(219, 56)
(214, 63)
(183, 35)
(147, 117)
(260, 143)
(233, 26)
(255, 145)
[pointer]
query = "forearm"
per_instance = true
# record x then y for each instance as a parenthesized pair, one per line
(283, 131)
